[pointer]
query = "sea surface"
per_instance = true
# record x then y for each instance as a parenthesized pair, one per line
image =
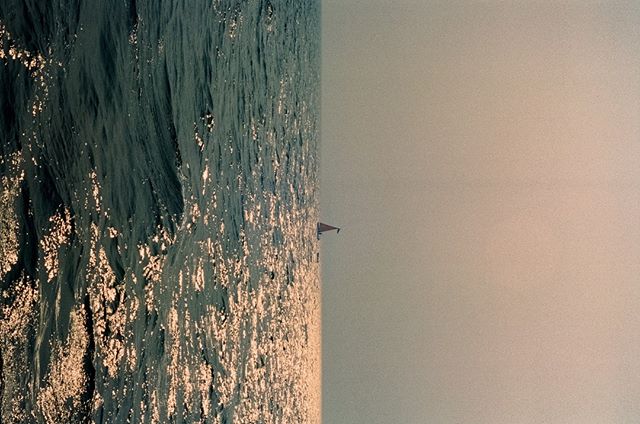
(158, 210)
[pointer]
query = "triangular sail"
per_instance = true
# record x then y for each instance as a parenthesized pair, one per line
(322, 227)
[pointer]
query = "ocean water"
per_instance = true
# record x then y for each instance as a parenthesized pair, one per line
(158, 210)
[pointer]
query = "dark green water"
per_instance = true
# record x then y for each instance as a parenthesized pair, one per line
(158, 209)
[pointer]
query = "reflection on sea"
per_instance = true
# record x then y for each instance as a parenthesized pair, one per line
(158, 213)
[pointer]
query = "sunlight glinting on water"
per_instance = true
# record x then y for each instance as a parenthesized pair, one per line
(174, 275)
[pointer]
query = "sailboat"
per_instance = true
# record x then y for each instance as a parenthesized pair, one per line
(322, 228)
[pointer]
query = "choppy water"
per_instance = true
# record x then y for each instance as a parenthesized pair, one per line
(158, 211)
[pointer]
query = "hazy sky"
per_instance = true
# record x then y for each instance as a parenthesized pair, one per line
(483, 159)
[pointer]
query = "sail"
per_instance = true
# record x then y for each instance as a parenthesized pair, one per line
(322, 227)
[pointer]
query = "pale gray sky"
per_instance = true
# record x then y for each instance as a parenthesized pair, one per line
(483, 159)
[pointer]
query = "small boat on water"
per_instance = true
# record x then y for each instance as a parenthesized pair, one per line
(322, 228)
